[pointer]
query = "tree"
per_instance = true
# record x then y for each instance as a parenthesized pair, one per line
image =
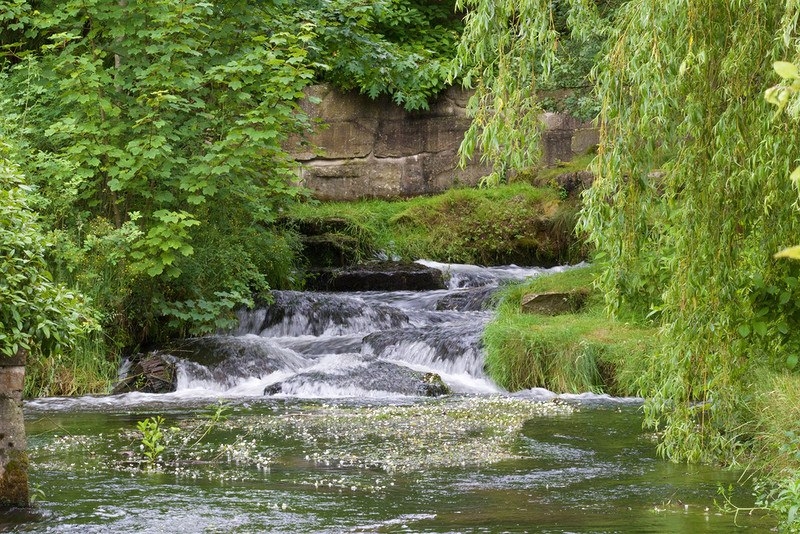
(161, 126)
(402, 48)
(690, 200)
(36, 317)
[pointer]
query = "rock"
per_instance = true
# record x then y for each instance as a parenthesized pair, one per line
(471, 299)
(372, 148)
(377, 375)
(152, 372)
(433, 386)
(575, 182)
(296, 313)
(221, 359)
(554, 302)
(380, 276)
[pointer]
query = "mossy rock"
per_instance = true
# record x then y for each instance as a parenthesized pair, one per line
(379, 276)
(554, 302)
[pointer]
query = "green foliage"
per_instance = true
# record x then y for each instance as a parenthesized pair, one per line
(152, 445)
(510, 52)
(690, 204)
(36, 315)
(160, 445)
(402, 48)
(155, 123)
(681, 91)
(776, 411)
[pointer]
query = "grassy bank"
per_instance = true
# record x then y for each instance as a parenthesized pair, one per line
(573, 352)
(516, 223)
(587, 351)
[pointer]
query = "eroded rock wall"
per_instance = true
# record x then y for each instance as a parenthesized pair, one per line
(374, 149)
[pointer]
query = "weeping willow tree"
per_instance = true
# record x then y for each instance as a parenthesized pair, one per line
(692, 196)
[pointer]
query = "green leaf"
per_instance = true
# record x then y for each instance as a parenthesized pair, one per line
(791, 253)
(791, 360)
(786, 70)
(760, 328)
(744, 330)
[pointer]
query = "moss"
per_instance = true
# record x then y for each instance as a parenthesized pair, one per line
(14, 481)
(515, 223)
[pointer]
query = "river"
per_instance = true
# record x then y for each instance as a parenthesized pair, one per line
(310, 418)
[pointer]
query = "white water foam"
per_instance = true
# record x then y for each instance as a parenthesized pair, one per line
(461, 275)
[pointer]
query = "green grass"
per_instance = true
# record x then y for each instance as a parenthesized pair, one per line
(546, 176)
(87, 368)
(575, 352)
(515, 223)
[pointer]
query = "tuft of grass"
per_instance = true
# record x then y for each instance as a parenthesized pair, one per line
(90, 367)
(569, 353)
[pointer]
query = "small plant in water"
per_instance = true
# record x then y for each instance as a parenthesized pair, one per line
(152, 439)
(157, 439)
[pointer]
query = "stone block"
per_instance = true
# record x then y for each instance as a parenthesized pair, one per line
(364, 178)
(561, 121)
(336, 106)
(345, 138)
(556, 146)
(442, 172)
(444, 133)
(584, 140)
(398, 138)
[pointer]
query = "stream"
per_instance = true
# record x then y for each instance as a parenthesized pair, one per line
(318, 415)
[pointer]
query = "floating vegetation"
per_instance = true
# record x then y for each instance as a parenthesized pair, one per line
(451, 432)
(448, 433)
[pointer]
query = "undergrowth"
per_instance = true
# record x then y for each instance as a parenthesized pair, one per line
(89, 367)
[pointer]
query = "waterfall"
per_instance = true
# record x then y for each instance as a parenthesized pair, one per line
(359, 344)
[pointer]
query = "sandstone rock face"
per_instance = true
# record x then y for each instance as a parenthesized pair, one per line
(366, 148)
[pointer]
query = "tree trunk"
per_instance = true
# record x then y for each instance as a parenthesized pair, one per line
(13, 445)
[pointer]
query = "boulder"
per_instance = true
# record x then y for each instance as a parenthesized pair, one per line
(379, 276)
(470, 299)
(377, 375)
(554, 302)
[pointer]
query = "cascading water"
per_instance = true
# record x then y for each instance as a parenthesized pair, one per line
(363, 344)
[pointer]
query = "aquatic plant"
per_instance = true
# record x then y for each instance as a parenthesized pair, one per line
(152, 445)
